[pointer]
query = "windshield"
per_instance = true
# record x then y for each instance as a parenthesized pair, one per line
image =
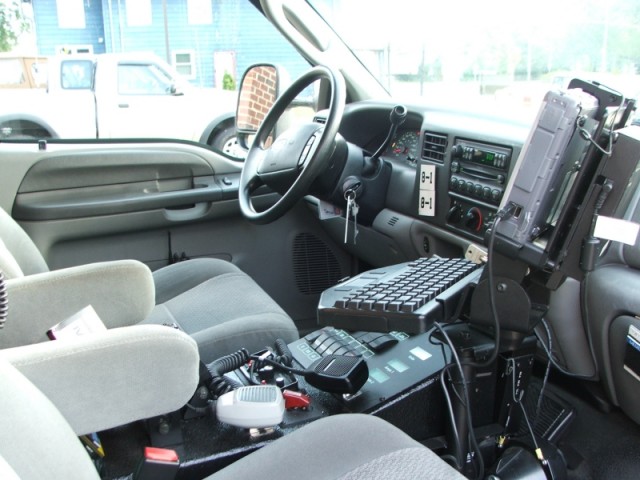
(497, 53)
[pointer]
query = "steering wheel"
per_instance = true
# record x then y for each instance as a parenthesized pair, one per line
(297, 156)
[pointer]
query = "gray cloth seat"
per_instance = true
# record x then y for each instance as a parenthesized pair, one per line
(212, 300)
(36, 442)
(220, 306)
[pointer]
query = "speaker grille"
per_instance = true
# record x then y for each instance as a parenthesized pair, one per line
(315, 266)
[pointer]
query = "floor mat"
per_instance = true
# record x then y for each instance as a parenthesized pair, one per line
(602, 446)
(549, 416)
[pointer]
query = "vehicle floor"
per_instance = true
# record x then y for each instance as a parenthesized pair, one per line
(596, 444)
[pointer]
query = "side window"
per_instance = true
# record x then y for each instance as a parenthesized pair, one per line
(184, 63)
(143, 79)
(76, 74)
(191, 53)
(11, 74)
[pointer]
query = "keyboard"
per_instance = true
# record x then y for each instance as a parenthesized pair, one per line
(408, 297)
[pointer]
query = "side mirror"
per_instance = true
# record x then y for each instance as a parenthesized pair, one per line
(258, 93)
(175, 90)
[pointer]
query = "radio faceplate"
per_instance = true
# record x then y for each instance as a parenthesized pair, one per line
(477, 181)
(479, 170)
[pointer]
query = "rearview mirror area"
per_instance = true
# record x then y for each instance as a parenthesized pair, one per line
(258, 93)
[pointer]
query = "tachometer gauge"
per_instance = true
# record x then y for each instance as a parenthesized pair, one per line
(405, 146)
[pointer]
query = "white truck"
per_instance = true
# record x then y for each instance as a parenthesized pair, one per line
(111, 96)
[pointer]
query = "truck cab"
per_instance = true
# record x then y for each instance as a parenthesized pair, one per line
(453, 232)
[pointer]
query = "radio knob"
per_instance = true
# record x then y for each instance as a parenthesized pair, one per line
(454, 183)
(501, 179)
(457, 150)
(455, 167)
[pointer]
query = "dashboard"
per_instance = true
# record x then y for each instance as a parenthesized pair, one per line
(449, 171)
(404, 146)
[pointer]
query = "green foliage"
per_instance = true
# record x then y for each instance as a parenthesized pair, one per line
(12, 24)
(228, 82)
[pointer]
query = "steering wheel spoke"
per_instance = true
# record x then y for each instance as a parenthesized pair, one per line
(297, 156)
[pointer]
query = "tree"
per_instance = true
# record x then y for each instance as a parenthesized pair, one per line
(12, 24)
(228, 82)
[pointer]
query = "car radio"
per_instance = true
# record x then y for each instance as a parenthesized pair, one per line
(477, 180)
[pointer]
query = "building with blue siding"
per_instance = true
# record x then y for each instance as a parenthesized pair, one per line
(202, 39)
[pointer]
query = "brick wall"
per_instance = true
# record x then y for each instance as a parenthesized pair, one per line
(258, 94)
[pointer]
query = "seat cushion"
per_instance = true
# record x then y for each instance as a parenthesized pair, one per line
(344, 447)
(35, 440)
(221, 307)
(18, 256)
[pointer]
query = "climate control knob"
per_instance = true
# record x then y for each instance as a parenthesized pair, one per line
(454, 215)
(473, 219)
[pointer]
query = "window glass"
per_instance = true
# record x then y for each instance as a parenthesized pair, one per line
(138, 13)
(498, 54)
(76, 74)
(189, 55)
(134, 79)
(70, 13)
(11, 72)
(183, 63)
(200, 12)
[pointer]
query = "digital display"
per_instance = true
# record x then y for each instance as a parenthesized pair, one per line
(485, 158)
(492, 156)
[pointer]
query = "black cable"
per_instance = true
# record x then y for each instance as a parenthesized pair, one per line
(284, 356)
(587, 136)
(454, 428)
(545, 380)
(219, 384)
(467, 403)
(492, 296)
(447, 397)
(286, 368)
(553, 360)
(396, 117)
(494, 354)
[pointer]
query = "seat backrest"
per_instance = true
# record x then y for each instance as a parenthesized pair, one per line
(612, 309)
(35, 440)
(19, 256)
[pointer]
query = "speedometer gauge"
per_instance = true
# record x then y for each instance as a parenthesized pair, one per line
(405, 146)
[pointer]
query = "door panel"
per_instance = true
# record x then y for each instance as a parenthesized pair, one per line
(160, 202)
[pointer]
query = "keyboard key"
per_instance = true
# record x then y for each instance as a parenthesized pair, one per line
(409, 307)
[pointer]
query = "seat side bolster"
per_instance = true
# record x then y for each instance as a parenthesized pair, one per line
(121, 292)
(111, 378)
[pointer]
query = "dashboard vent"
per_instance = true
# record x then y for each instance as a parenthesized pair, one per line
(434, 146)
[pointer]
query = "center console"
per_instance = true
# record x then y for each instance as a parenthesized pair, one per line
(477, 181)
